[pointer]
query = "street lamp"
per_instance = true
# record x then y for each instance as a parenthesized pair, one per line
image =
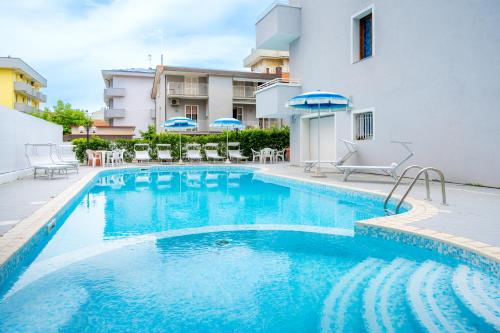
(88, 128)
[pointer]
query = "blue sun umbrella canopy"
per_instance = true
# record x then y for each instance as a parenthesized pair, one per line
(318, 100)
(229, 123)
(180, 123)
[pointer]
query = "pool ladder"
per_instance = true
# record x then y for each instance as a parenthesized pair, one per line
(421, 171)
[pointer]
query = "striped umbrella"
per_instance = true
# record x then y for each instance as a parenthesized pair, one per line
(177, 123)
(319, 100)
(229, 124)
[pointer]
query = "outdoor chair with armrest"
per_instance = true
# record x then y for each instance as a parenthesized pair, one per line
(93, 157)
(255, 155)
(266, 154)
(390, 170)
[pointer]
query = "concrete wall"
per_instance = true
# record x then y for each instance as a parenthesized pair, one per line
(434, 79)
(220, 92)
(17, 129)
(137, 102)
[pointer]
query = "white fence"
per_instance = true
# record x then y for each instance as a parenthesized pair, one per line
(17, 129)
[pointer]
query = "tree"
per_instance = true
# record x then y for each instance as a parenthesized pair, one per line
(63, 114)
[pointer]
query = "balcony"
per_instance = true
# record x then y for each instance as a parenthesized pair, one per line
(29, 91)
(278, 26)
(25, 108)
(114, 113)
(272, 96)
(181, 89)
(244, 94)
(114, 92)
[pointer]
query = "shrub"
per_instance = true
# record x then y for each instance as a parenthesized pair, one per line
(277, 138)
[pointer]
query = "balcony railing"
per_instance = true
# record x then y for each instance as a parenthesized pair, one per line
(244, 92)
(29, 90)
(182, 89)
(24, 107)
(114, 113)
(278, 81)
(114, 92)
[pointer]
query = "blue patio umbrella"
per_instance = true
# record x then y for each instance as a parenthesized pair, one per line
(319, 100)
(228, 124)
(177, 123)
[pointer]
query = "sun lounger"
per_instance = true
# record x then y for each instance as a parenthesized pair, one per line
(351, 150)
(38, 156)
(193, 152)
(141, 151)
(212, 153)
(390, 170)
(56, 159)
(164, 152)
(234, 153)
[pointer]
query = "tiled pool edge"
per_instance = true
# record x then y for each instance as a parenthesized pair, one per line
(391, 227)
(396, 228)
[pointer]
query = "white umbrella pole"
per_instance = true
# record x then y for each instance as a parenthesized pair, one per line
(318, 173)
(180, 148)
(227, 147)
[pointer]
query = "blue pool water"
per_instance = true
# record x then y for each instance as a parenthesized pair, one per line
(232, 251)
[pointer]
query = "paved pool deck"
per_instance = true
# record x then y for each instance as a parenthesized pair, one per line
(472, 212)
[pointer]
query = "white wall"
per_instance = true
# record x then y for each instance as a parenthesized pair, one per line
(434, 79)
(17, 129)
(220, 92)
(137, 102)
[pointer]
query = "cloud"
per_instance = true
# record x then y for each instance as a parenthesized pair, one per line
(69, 42)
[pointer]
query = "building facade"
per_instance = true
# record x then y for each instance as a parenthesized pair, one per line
(268, 61)
(206, 95)
(426, 72)
(20, 86)
(127, 95)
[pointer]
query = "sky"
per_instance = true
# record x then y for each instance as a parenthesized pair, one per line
(70, 42)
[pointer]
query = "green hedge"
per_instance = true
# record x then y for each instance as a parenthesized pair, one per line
(276, 138)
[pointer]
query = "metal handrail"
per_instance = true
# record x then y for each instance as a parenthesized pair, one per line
(424, 171)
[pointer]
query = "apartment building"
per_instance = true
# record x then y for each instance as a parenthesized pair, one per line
(20, 85)
(206, 95)
(127, 95)
(268, 61)
(427, 72)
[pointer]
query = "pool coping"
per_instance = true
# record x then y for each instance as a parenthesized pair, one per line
(393, 227)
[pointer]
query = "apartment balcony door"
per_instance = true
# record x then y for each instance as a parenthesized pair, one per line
(238, 112)
(191, 86)
(192, 112)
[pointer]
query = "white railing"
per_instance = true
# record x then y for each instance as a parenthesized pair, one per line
(183, 89)
(278, 81)
(240, 91)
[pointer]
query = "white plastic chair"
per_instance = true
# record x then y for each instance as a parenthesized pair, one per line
(280, 154)
(93, 157)
(255, 155)
(266, 154)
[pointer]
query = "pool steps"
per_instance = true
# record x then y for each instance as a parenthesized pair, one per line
(438, 296)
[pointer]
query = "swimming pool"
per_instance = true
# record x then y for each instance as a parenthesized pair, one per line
(226, 249)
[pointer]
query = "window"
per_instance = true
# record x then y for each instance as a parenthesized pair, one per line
(192, 112)
(363, 34)
(363, 125)
(238, 113)
(365, 37)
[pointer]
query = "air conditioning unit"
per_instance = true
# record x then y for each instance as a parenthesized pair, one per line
(174, 101)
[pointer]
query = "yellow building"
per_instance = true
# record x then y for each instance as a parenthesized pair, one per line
(20, 85)
(268, 61)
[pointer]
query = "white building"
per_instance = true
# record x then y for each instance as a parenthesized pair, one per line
(127, 96)
(426, 72)
(206, 95)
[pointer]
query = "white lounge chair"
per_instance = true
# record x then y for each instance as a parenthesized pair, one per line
(351, 150)
(193, 152)
(141, 151)
(164, 152)
(234, 152)
(38, 156)
(212, 153)
(56, 159)
(390, 170)
(67, 153)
